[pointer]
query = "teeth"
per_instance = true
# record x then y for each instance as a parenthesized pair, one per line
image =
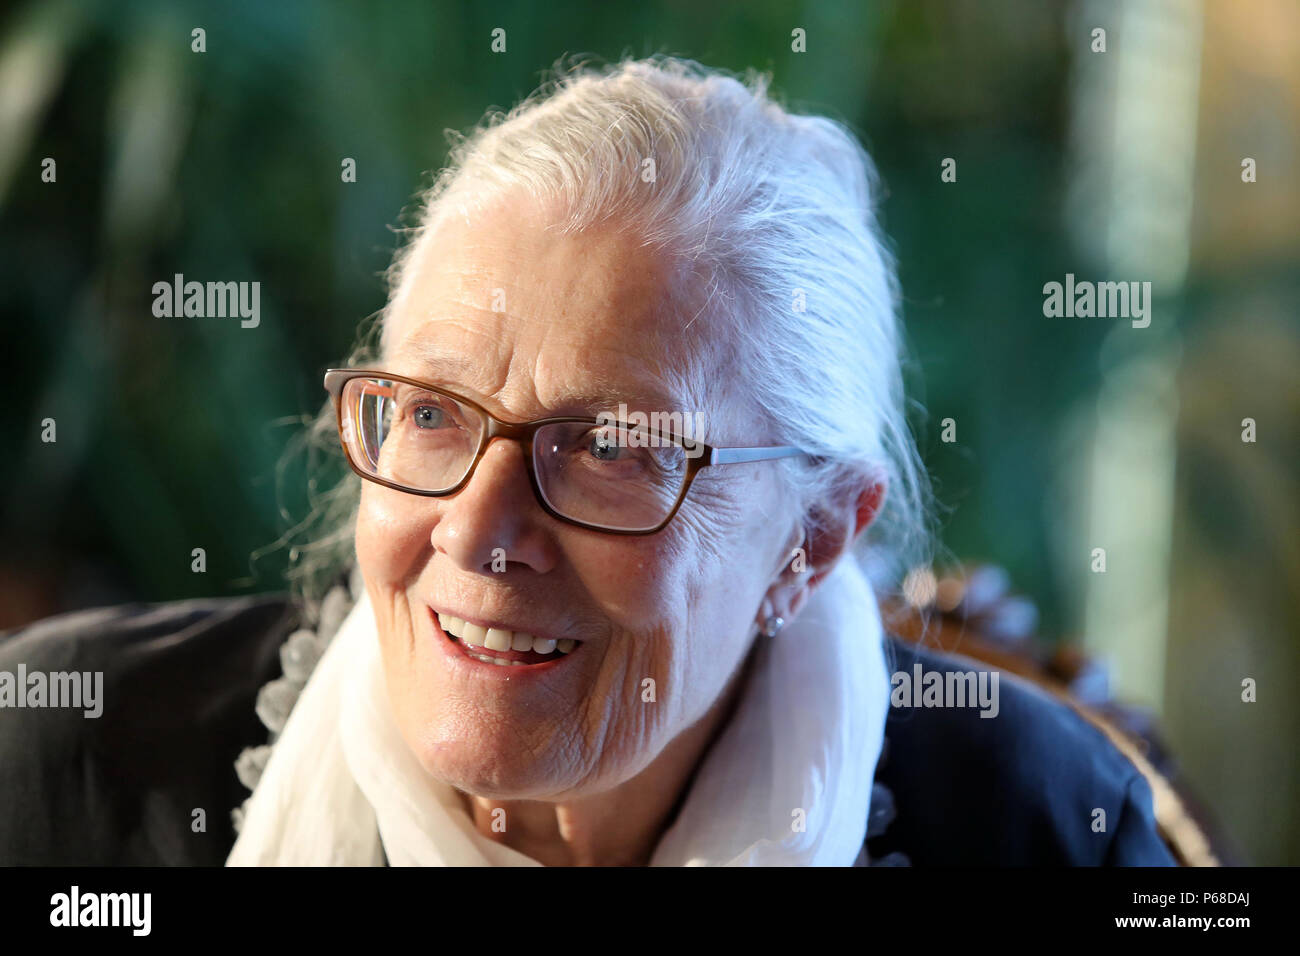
(496, 660)
(499, 639)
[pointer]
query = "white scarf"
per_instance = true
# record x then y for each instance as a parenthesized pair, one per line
(786, 783)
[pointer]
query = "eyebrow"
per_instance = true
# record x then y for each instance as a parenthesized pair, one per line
(443, 366)
(435, 359)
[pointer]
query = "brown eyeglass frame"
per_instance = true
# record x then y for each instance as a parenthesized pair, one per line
(524, 433)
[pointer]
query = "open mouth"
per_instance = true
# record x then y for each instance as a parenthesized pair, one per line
(501, 647)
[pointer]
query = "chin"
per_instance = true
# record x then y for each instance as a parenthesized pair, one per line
(498, 765)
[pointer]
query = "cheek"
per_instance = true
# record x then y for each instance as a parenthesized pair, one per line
(392, 535)
(638, 583)
(677, 606)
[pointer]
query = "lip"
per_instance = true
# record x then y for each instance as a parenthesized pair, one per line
(456, 657)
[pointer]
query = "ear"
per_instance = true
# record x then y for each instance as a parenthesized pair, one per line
(834, 529)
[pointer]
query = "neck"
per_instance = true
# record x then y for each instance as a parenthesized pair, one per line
(620, 826)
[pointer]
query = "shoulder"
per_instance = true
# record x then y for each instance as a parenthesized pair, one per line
(122, 726)
(1030, 783)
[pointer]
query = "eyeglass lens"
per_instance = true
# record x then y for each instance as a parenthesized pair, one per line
(610, 475)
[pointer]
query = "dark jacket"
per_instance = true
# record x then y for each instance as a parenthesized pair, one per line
(152, 780)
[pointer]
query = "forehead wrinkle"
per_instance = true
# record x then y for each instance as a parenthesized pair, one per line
(531, 391)
(601, 389)
(567, 371)
(644, 300)
(421, 355)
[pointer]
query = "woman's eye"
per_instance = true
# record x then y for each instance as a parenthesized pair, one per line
(428, 416)
(633, 452)
(604, 448)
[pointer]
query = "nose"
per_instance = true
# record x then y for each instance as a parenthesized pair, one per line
(495, 522)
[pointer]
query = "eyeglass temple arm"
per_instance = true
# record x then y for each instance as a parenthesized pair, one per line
(728, 456)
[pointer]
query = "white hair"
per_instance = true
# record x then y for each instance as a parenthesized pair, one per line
(776, 211)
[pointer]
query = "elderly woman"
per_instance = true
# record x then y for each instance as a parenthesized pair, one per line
(637, 396)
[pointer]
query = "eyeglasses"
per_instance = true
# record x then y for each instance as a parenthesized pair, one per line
(596, 473)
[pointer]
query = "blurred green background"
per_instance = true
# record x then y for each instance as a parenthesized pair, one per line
(1072, 434)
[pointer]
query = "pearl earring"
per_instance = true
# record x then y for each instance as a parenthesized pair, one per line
(773, 626)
